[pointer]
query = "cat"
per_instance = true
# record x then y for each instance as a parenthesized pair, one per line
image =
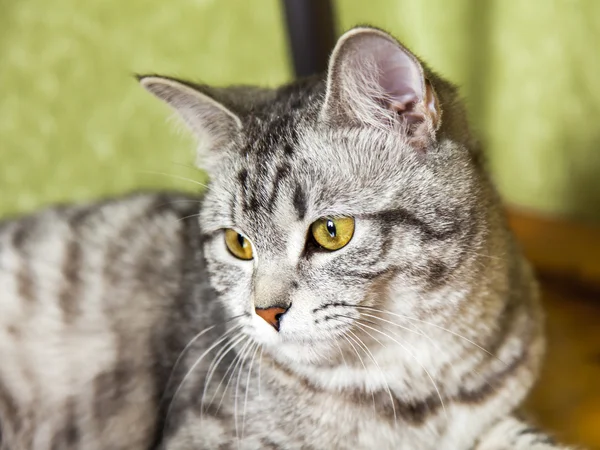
(347, 280)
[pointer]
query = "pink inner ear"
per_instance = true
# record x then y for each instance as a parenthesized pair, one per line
(400, 78)
(376, 81)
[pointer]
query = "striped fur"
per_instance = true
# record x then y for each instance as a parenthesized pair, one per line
(127, 324)
(96, 303)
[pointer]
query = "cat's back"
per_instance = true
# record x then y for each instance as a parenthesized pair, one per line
(85, 294)
(66, 255)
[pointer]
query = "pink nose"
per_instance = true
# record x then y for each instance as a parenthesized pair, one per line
(271, 315)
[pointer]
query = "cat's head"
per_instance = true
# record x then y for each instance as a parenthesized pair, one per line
(333, 195)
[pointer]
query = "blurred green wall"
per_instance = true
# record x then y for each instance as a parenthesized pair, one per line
(74, 125)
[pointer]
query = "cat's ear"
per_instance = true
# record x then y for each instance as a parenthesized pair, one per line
(212, 123)
(374, 80)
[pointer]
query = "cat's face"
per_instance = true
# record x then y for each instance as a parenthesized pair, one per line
(330, 198)
(399, 221)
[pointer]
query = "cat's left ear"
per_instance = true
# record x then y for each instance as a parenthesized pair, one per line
(373, 80)
(212, 123)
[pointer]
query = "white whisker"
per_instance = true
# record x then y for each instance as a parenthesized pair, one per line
(389, 391)
(177, 177)
(189, 217)
(214, 365)
(237, 388)
(257, 346)
(190, 343)
(421, 333)
(232, 367)
(416, 359)
(341, 353)
(259, 369)
(392, 323)
(433, 325)
(189, 372)
(362, 363)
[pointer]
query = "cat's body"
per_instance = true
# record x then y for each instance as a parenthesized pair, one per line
(90, 299)
(423, 331)
(86, 357)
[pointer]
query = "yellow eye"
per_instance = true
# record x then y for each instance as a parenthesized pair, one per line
(237, 244)
(333, 233)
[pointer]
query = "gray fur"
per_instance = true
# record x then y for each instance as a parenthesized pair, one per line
(424, 332)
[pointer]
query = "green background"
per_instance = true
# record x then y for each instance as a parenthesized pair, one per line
(74, 124)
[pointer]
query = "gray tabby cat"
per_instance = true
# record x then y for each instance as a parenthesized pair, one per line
(364, 293)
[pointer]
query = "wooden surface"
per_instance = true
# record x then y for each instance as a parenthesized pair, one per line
(566, 400)
(560, 248)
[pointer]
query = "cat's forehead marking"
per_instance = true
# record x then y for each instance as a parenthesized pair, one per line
(265, 175)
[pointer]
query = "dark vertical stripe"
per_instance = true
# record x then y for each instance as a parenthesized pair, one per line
(10, 411)
(111, 387)
(71, 289)
(288, 149)
(72, 433)
(281, 173)
(300, 202)
(243, 180)
(24, 275)
(168, 341)
(69, 435)
(438, 272)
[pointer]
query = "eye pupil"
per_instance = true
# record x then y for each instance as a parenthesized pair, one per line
(241, 240)
(238, 245)
(331, 228)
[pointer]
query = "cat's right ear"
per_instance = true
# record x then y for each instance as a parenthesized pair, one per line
(373, 80)
(212, 123)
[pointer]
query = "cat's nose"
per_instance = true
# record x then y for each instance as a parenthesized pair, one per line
(272, 315)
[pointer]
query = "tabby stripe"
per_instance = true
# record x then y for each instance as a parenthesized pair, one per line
(71, 288)
(369, 275)
(389, 271)
(417, 412)
(69, 436)
(440, 271)
(9, 411)
(243, 180)
(106, 401)
(493, 382)
(111, 387)
(300, 202)
(332, 305)
(506, 319)
(268, 444)
(402, 216)
(281, 173)
(24, 275)
(169, 342)
(528, 430)
(288, 149)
